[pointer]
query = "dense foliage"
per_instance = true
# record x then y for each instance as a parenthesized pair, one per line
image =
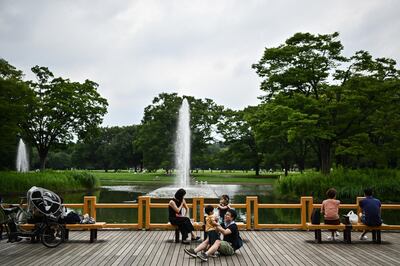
(53, 180)
(348, 183)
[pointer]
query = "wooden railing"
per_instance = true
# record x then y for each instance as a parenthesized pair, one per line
(144, 206)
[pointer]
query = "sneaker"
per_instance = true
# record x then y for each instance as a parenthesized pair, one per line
(190, 252)
(186, 242)
(337, 234)
(330, 238)
(203, 256)
(215, 255)
(363, 237)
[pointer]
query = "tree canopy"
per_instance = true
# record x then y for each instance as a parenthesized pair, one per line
(61, 110)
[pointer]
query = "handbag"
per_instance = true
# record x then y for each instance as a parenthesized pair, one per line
(316, 216)
(353, 218)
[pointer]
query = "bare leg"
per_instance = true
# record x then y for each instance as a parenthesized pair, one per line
(214, 248)
(193, 234)
(363, 233)
(202, 246)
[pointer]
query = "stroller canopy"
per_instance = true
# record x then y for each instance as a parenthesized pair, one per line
(45, 201)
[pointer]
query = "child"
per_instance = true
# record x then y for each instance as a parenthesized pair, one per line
(223, 207)
(330, 209)
(211, 225)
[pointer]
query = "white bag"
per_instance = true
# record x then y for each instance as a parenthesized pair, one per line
(353, 218)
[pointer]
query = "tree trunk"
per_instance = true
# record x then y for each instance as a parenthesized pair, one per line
(325, 148)
(42, 158)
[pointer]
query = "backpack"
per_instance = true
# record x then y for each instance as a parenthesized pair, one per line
(72, 218)
(316, 216)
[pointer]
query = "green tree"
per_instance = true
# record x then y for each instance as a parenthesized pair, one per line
(61, 109)
(333, 96)
(14, 98)
(239, 139)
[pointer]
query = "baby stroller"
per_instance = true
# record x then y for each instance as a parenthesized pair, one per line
(45, 207)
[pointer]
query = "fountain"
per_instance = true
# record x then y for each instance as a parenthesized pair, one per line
(182, 165)
(22, 157)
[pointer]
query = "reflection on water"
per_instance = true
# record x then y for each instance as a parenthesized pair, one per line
(129, 193)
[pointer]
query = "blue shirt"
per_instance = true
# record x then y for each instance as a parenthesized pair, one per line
(371, 208)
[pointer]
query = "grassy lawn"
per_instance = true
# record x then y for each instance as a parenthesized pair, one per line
(214, 177)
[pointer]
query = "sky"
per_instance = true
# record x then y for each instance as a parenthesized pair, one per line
(135, 50)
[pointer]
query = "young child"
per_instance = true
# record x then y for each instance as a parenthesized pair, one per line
(330, 209)
(211, 225)
(223, 207)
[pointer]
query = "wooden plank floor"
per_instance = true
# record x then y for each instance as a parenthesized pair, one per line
(157, 248)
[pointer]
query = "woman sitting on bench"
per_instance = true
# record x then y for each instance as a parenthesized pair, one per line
(176, 205)
(330, 209)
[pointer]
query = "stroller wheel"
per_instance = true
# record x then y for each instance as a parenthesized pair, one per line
(52, 235)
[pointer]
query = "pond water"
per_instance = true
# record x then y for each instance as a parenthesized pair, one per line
(129, 192)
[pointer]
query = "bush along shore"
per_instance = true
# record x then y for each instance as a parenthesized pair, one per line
(65, 181)
(348, 183)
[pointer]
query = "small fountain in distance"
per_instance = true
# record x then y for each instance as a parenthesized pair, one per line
(182, 163)
(22, 157)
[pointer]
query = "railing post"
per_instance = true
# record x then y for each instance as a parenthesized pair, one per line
(248, 212)
(303, 202)
(148, 210)
(89, 206)
(194, 209)
(310, 208)
(358, 199)
(201, 203)
(140, 212)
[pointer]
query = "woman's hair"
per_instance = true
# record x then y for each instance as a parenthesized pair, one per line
(225, 197)
(331, 193)
(208, 209)
(180, 194)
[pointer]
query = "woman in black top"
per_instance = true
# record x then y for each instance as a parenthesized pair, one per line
(176, 218)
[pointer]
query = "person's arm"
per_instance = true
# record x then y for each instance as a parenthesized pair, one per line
(224, 231)
(322, 208)
(223, 207)
(184, 205)
(174, 207)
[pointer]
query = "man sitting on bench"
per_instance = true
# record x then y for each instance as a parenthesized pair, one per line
(371, 211)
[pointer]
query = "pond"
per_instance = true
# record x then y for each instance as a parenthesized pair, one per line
(129, 192)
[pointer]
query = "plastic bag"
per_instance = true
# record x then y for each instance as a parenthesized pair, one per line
(353, 218)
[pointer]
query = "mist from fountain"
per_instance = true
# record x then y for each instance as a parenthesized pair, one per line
(22, 158)
(182, 165)
(182, 146)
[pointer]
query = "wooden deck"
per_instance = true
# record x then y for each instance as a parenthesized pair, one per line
(157, 248)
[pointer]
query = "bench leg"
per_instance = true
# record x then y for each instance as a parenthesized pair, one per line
(318, 238)
(177, 235)
(66, 236)
(347, 235)
(1, 231)
(93, 235)
(376, 236)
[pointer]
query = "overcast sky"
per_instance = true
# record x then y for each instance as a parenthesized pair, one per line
(135, 50)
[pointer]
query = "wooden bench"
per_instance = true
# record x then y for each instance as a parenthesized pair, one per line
(376, 230)
(340, 227)
(92, 227)
(196, 225)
